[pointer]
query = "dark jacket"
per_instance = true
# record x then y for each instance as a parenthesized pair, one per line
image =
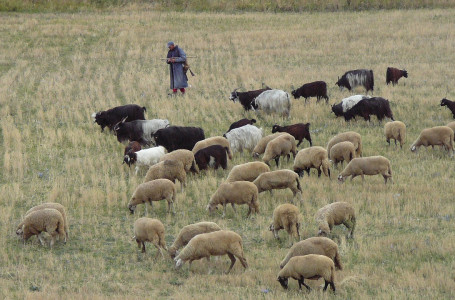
(177, 76)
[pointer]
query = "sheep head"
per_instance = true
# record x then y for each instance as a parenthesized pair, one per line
(283, 281)
(132, 208)
(178, 263)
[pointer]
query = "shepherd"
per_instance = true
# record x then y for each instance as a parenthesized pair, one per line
(176, 58)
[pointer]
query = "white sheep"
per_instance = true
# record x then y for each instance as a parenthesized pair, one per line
(154, 190)
(283, 145)
(149, 230)
(395, 130)
(262, 144)
(145, 157)
(311, 266)
(286, 216)
(247, 171)
(169, 169)
(185, 156)
(47, 220)
(342, 151)
(439, 135)
(349, 102)
(279, 179)
(222, 242)
(335, 214)
(245, 137)
(314, 245)
(238, 192)
(188, 232)
(362, 166)
(274, 101)
(312, 157)
(216, 140)
(350, 136)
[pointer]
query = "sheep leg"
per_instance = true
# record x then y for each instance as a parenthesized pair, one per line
(40, 238)
(249, 211)
(233, 207)
(52, 242)
(159, 251)
(363, 177)
(319, 172)
(138, 244)
(288, 156)
(275, 234)
(308, 171)
(146, 208)
(302, 282)
(388, 141)
(224, 210)
(143, 247)
(277, 161)
(232, 257)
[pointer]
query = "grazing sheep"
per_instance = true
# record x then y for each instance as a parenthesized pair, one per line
(238, 192)
(144, 158)
(262, 144)
(241, 123)
(245, 137)
(133, 146)
(168, 169)
(149, 230)
(47, 220)
(312, 157)
(311, 266)
(350, 136)
(342, 151)
(283, 145)
(274, 101)
(188, 232)
(395, 130)
(286, 216)
(279, 179)
(215, 154)
(393, 75)
(450, 105)
(438, 135)
(216, 140)
(335, 214)
(186, 157)
(362, 166)
(299, 131)
(154, 190)
(314, 245)
(222, 242)
(247, 171)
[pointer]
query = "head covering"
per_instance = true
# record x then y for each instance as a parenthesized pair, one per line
(170, 43)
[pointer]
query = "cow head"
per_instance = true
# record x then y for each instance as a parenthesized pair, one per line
(234, 97)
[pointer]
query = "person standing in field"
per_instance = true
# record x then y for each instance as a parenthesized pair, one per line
(175, 58)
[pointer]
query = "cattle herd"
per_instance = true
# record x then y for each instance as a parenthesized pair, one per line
(178, 151)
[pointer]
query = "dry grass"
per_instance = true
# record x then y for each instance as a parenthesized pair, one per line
(56, 69)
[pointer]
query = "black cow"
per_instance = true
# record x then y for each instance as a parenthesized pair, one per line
(110, 117)
(217, 152)
(178, 137)
(316, 89)
(393, 75)
(139, 130)
(354, 78)
(241, 123)
(246, 98)
(377, 106)
(450, 105)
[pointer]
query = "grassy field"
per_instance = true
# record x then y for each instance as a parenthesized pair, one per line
(56, 69)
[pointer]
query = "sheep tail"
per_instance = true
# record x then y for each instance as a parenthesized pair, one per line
(286, 259)
(194, 167)
(61, 230)
(337, 261)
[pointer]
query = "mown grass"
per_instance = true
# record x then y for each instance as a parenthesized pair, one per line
(56, 69)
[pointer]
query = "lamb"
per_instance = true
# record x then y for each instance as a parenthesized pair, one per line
(286, 216)
(247, 171)
(188, 232)
(262, 144)
(47, 220)
(154, 190)
(274, 101)
(279, 179)
(450, 105)
(216, 243)
(215, 154)
(168, 169)
(438, 135)
(312, 157)
(186, 157)
(216, 140)
(245, 137)
(144, 158)
(342, 151)
(149, 230)
(238, 192)
(362, 166)
(311, 266)
(350, 136)
(395, 130)
(283, 145)
(335, 214)
(299, 131)
(133, 146)
(241, 123)
(314, 245)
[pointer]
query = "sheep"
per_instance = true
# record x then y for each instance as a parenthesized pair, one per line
(342, 151)
(154, 190)
(299, 131)
(262, 144)
(271, 101)
(286, 216)
(241, 123)
(314, 245)
(188, 232)
(312, 157)
(350, 136)
(450, 105)
(283, 145)
(335, 214)
(144, 158)
(216, 243)
(186, 157)
(438, 135)
(395, 130)
(216, 140)
(245, 137)
(169, 169)
(279, 179)
(311, 266)
(133, 146)
(362, 166)
(149, 230)
(47, 220)
(247, 171)
(238, 192)
(214, 154)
